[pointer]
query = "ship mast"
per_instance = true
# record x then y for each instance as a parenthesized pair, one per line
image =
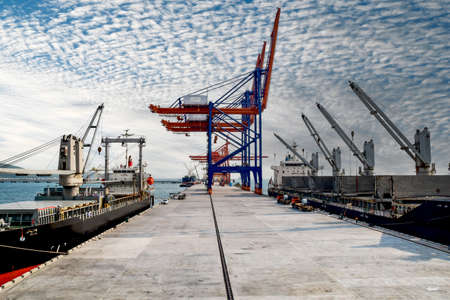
(126, 135)
(124, 140)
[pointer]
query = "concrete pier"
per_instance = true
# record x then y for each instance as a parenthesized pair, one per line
(272, 252)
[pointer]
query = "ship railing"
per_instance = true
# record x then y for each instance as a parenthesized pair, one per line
(53, 214)
(47, 214)
(365, 207)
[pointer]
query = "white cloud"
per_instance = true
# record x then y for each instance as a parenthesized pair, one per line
(59, 60)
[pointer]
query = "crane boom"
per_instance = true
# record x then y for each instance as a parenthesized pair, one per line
(321, 144)
(368, 166)
(273, 42)
(398, 136)
(95, 119)
(295, 153)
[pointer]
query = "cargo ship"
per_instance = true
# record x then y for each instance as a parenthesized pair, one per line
(388, 201)
(32, 232)
(418, 205)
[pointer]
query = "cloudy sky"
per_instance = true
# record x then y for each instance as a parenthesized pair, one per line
(60, 59)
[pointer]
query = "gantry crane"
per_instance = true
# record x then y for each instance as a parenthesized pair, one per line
(367, 157)
(334, 157)
(236, 116)
(313, 165)
(217, 155)
(420, 152)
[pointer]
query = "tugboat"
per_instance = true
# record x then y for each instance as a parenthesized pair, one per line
(188, 180)
(32, 232)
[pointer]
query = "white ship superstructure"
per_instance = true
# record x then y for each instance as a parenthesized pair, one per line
(290, 166)
(123, 181)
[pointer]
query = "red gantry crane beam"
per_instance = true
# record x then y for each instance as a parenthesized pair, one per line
(200, 124)
(220, 153)
(202, 110)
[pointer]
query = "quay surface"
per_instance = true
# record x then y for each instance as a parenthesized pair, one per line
(272, 252)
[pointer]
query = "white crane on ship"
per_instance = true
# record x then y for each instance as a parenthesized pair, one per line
(420, 151)
(71, 165)
(313, 165)
(334, 157)
(367, 157)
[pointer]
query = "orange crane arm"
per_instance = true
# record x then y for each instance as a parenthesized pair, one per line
(273, 44)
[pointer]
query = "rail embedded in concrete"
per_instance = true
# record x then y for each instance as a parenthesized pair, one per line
(271, 251)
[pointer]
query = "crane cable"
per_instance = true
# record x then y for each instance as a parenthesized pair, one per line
(34, 151)
(29, 153)
(219, 84)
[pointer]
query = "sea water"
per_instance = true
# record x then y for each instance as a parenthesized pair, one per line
(13, 192)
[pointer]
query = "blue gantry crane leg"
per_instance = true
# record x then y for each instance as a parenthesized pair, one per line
(249, 139)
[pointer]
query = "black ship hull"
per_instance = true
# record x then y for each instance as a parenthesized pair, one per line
(58, 236)
(430, 220)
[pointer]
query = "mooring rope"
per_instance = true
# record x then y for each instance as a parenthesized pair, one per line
(34, 250)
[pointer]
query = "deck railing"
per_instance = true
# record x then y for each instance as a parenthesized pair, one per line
(53, 214)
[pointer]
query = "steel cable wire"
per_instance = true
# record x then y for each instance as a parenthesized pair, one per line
(26, 154)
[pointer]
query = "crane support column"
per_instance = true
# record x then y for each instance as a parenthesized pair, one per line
(141, 171)
(106, 161)
(422, 144)
(336, 156)
(209, 150)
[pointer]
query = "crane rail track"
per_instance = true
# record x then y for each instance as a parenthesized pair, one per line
(226, 276)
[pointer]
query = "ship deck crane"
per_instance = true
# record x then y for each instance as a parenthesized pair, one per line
(333, 158)
(95, 119)
(71, 165)
(367, 158)
(420, 152)
(314, 165)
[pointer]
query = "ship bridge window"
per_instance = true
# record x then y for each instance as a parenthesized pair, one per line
(123, 171)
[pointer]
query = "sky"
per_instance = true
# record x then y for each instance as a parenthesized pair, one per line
(60, 59)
